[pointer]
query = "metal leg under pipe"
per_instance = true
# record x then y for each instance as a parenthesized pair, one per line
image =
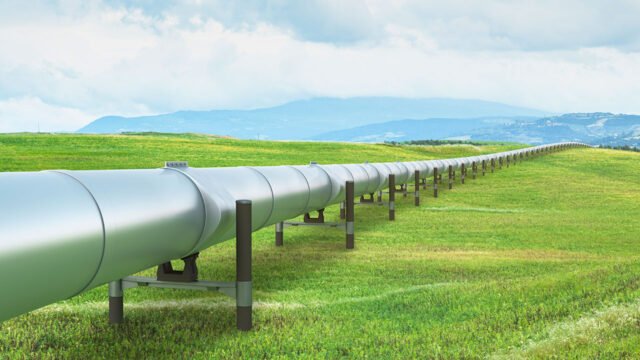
(416, 179)
(392, 196)
(416, 187)
(435, 182)
(347, 226)
(187, 279)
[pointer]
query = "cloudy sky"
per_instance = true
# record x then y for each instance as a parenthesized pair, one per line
(65, 63)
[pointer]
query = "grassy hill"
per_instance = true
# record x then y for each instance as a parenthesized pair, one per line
(536, 261)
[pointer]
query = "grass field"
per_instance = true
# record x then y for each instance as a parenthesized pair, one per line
(536, 261)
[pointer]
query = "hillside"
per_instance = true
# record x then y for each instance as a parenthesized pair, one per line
(591, 128)
(303, 119)
(515, 264)
(408, 129)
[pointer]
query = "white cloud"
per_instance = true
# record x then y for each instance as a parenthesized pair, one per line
(80, 58)
(31, 114)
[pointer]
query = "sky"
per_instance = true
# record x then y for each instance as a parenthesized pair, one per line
(65, 63)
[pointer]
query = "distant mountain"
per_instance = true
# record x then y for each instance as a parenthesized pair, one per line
(591, 128)
(305, 118)
(408, 129)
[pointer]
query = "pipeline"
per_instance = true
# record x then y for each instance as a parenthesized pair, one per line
(65, 232)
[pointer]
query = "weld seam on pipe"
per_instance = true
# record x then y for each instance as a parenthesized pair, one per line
(203, 235)
(273, 196)
(306, 206)
(104, 233)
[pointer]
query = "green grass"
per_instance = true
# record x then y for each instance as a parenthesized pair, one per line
(536, 261)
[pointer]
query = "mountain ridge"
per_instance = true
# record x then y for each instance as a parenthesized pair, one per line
(301, 119)
(592, 128)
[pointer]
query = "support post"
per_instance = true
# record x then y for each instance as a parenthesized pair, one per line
(350, 216)
(116, 304)
(417, 188)
(392, 197)
(500, 162)
(342, 213)
(379, 196)
(474, 169)
(450, 182)
(462, 170)
(484, 166)
(435, 182)
(279, 233)
(244, 300)
(493, 165)
(508, 160)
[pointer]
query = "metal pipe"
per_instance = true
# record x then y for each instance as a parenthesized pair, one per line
(107, 224)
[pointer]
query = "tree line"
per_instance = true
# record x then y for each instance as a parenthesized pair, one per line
(433, 142)
(622, 147)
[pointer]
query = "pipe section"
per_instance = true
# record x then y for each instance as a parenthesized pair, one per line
(65, 232)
